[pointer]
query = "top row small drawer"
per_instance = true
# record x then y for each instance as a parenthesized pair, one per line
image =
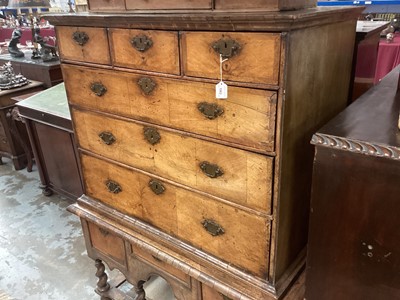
(251, 57)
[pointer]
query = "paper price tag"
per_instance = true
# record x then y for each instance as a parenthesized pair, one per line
(221, 90)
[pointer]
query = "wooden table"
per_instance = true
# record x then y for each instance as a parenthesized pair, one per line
(48, 123)
(354, 237)
(47, 72)
(14, 141)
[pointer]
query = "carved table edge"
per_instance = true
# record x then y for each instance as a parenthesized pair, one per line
(356, 146)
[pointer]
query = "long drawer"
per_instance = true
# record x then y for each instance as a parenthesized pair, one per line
(237, 175)
(246, 118)
(227, 232)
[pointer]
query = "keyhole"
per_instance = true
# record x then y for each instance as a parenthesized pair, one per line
(226, 45)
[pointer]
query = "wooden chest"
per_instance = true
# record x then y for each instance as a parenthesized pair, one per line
(211, 194)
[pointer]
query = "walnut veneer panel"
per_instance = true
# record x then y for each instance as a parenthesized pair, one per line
(168, 4)
(246, 178)
(256, 60)
(106, 5)
(248, 115)
(264, 4)
(161, 56)
(107, 243)
(94, 50)
(181, 212)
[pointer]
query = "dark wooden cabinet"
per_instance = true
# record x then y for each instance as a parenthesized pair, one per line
(49, 126)
(354, 237)
(36, 69)
(14, 139)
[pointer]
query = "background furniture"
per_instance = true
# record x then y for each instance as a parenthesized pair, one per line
(354, 238)
(49, 126)
(388, 57)
(36, 69)
(365, 56)
(212, 195)
(5, 33)
(14, 144)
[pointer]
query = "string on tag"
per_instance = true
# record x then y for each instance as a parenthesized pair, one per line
(221, 89)
(221, 61)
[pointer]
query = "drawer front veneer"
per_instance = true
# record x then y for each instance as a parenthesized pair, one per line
(84, 44)
(246, 118)
(236, 175)
(227, 232)
(251, 57)
(147, 50)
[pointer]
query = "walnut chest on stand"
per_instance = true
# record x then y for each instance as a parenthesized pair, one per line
(210, 194)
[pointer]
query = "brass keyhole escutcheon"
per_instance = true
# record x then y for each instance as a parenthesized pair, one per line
(142, 42)
(210, 110)
(80, 37)
(147, 85)
(107, 137)
(212, 227)
(98, 88)
(156, 186)
(226, 47)
(211, 170)
(113, 187)
(152, 135)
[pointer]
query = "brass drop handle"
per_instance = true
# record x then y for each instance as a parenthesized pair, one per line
(211, 170)
(151, 135)
(210, 110)
(156, 259)
(98, 88)
(113, 187)
(212, 227)
(156, 186)
(80, 37)
(141, 42)
(227, 47)
(107, 137)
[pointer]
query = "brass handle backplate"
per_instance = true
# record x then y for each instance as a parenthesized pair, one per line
(98, 88)
(141, 42)
(211, 170)
(107, 137)
(80, 37)
(210, 110)
(213, 227)
(113, 187)
(152, 135)
(156, 186)
(226, 47)
(147, 85)
(103, 231)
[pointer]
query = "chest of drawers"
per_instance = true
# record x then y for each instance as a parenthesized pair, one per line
(212, 195)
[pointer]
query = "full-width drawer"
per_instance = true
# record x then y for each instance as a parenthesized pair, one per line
(235, 236)
(237, 175)
(246, 118)
(120, 5)
(147, 50)
(86, 44)
(251, 57)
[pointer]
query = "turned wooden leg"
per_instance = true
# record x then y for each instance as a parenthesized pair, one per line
(46, 191)
(140, 292)
(102, 284)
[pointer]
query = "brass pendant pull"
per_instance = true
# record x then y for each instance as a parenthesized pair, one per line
(211, 170)
(107, 137)
(152, 135)
(98, 88)
(147, 85)
(103, 232)
(113, 187)
(80, 37)
(156, 259)
(156, 186)
(213, 227)
(210, 110)
(226, 47)
(141, 42)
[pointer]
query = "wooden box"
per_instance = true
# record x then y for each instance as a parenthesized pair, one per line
(266, 5)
